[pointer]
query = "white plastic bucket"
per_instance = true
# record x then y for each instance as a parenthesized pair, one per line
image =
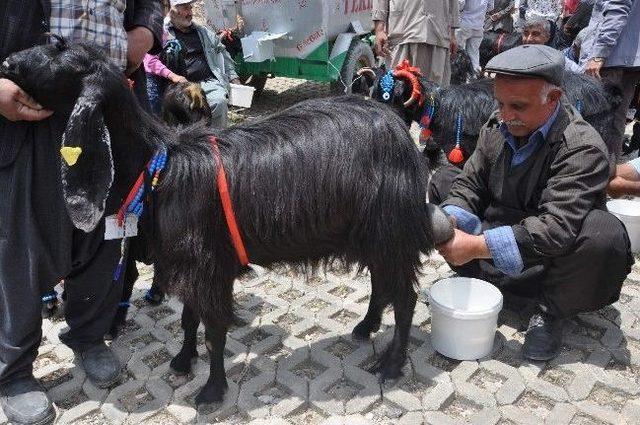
(464, 317)
(628, 211)
(240, 95)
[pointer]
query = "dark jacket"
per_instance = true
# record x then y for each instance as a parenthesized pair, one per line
(505, 21)
(567, 178)
(23, 24)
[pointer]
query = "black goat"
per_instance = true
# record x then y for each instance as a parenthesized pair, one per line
(326, 179)
(474, 103)
(184, 104)
(497, 42)
(461, 68)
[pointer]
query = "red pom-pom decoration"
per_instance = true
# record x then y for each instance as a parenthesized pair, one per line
(425, 133)
(456, 156)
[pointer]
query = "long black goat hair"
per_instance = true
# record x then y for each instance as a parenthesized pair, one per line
(328, 178)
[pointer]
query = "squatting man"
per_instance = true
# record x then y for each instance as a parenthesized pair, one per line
(529, 204)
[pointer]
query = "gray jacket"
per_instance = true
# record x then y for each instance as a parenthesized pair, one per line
(615, 35)
(218, 58)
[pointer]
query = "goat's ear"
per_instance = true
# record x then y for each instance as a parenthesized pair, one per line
(86, 160)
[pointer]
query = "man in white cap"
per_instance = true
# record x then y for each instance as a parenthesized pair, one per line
(207, 60)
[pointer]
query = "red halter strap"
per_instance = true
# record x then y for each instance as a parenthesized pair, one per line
(227, 207)
(499, 42)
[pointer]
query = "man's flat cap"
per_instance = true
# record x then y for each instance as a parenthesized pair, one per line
(532, 60)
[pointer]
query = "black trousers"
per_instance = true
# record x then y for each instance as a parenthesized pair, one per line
(38, 247)
(587, 279)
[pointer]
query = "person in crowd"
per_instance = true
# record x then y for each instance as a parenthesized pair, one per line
(421, 31)
(539, 31)
(469, 34)
(529, 205)
(550, 10)
(207, 60)
(499, 17)
(39, 243)
(611, 51)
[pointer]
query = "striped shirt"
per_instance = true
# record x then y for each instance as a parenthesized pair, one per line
(97, 21)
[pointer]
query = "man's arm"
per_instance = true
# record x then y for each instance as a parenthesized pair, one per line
(504, 12)
(463, 248)
(626, 181)
(468, 199)
(147, 14)
(454, 22)
(229, 63)
(615, 15)
(143, 24)
(379, 16)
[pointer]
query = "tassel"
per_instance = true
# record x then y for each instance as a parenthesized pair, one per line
(456, 156)
(425, 133)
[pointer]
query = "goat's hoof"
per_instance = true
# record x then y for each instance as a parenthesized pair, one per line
(181, 363)
(211, 393)
(363, 331)
(386, 372)
(387, 368)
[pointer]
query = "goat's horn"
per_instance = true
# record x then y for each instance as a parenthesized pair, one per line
(366, 70)
(416, 89)
(58, 40)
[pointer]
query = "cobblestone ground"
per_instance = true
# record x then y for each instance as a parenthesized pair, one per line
(292, 359)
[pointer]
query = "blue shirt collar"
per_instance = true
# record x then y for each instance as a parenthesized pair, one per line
(535, 139)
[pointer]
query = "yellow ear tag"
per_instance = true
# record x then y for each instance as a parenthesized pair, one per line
(70, 155)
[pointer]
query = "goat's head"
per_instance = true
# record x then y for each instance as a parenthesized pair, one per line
(399, 93)
(184, 104)
(76, 80)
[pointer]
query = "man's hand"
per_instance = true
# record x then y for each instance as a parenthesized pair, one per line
(381, 46)
(453, 43)
(139, 42)
(463, 248)
(494, 17)
(175, 78)
(617, 187)
(16, 105)
(593, 67)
